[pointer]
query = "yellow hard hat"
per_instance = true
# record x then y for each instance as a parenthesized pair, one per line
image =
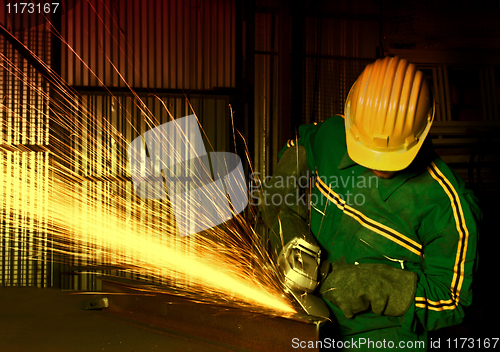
(388, 113)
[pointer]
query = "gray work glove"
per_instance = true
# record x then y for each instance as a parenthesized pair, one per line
(356, 288)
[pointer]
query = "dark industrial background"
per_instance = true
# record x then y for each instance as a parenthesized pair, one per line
(279, 64)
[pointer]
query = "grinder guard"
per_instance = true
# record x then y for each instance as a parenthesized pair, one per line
(299, 262)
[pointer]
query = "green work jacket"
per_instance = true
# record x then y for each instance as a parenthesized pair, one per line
(423, 220)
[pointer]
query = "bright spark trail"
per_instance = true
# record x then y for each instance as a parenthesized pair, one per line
(103, 223)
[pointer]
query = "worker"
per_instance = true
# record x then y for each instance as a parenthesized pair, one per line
(397, 224)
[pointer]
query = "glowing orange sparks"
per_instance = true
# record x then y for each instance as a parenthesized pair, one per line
(102, 223)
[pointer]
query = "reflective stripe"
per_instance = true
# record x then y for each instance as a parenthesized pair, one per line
(368, 223)
(422, 302)
(290, 143)
(463, 233)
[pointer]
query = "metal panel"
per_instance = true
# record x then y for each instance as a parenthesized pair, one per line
(104, 126)
(24, 160)
(170, 44)
(23, 91)
(335, 30)
(337, 50)
(327, 84)
(24, 191)
(266, 103)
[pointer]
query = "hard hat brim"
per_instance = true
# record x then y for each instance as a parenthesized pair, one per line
(396, 160)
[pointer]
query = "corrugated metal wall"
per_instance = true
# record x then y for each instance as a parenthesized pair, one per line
(338, 50)
(171, 47)
(335, 52)
(24, 254)
(24, 159)
(103, 162)
(174, 47)
(466, 116)
(150, 44)
(266, 100)
(340, 39)
(158, 45)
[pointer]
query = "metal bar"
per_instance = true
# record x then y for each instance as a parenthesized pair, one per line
(285, 79)
(272, 122)
(56, 132)
(494, 98)
(484, 92)
(125, 90)
(217, 323)
(340, 57)
(296, 67)
(27, 54)
(343, 15)
(442, 100)
(447, 101)
(249, 74)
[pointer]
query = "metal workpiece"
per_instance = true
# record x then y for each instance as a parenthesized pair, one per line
(229, 328)
(48, 320)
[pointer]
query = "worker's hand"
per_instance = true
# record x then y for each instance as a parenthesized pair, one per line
(356, 288)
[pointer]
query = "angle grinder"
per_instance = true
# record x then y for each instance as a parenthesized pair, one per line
(300, 264)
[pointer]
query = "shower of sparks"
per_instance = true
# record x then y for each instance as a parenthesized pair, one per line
(98, 221)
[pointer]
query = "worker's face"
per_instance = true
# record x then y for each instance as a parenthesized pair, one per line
(384, 174)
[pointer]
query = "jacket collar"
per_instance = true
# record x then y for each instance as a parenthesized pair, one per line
(346, 162)
(387, 187)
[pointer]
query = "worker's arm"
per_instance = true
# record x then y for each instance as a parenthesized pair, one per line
(385, 289)
(282, 205)
(435, 292)
(449, 235)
